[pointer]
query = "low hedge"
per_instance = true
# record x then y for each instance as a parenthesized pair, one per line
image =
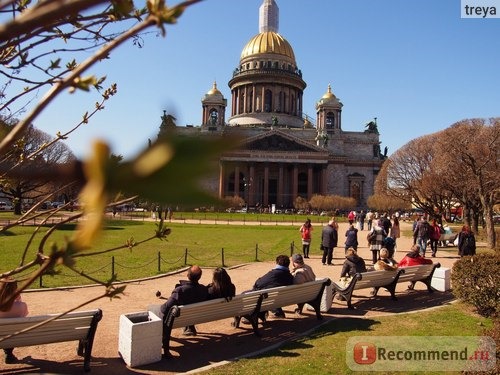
(476, 281)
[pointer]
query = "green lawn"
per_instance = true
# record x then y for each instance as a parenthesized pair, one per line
(324, 351)
(206, 245)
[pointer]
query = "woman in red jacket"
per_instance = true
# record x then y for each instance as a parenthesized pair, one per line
(413, 258)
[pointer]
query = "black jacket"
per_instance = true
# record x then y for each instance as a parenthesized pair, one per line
(275, 277)
(329, 237)
(353, 265)
(185, 292)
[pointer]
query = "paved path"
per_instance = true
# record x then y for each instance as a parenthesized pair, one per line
(216, 341)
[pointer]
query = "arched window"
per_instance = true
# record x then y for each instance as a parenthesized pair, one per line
(330, 120)
(214, 116)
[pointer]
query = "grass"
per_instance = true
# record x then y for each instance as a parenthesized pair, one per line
(324, 351)
(203, 244)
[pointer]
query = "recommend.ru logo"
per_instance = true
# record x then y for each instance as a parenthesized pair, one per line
(421, 353)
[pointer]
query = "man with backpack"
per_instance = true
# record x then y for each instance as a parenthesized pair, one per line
(422, 234)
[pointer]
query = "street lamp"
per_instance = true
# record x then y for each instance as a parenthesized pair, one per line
(247, 184)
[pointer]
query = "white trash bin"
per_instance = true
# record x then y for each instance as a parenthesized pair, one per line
(441, 279)
(140, 338)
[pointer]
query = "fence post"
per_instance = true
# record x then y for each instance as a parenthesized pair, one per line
(186, 257)
(159, 259)
(112, 266)
(256, 252)
(222, 257)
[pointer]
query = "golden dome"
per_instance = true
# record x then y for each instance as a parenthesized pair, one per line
(268, 42)
(214, 90)
(328, 94)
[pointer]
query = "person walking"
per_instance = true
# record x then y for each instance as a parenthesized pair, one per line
(305, 232)
(466, 242)
(329, 239)
(351, 238)
(435, 235)
(361, 219)
(376, 239)
(395, 231)
(422, 233)
(369, 219)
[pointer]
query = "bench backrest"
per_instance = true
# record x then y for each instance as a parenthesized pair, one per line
(70, 327)
(375, 279)
(415, 273)
(292, 294)
(216, 309)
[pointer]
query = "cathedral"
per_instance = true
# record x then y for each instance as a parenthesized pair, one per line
(284, 154)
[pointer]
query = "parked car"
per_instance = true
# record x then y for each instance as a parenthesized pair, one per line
(4, 206)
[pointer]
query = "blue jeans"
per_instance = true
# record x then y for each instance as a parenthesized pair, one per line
(422, 242)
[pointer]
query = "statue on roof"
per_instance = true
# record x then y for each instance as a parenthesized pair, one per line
(371, 127)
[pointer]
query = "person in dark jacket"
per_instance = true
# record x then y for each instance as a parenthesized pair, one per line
(280, 275)
(329, 238)
(353, 264)
(186, 292)
(351, 238)
(221, 285)
(466, 242)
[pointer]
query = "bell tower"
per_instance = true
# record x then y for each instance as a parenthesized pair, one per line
(214, 109)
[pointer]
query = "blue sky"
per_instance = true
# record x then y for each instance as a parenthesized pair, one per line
(415, 65)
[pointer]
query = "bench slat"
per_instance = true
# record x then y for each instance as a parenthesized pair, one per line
(218, 309)
(292, 294)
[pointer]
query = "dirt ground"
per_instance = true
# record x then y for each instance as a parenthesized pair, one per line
(216, 342)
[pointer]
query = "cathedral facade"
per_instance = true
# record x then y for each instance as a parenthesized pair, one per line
(285, 154)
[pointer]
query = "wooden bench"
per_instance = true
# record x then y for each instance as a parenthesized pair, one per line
(242, 305)
(371, 279)
(249, 305)
(31, 330)
(309, 293)
(422, 273)
(387, 280)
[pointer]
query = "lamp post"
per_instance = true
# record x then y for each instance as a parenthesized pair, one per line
(247, 183)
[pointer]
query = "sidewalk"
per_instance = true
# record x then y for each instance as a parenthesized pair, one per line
(216, 341)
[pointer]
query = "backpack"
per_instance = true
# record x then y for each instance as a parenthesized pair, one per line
(371, 236)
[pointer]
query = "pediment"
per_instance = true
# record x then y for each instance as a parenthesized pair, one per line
(276, 140)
